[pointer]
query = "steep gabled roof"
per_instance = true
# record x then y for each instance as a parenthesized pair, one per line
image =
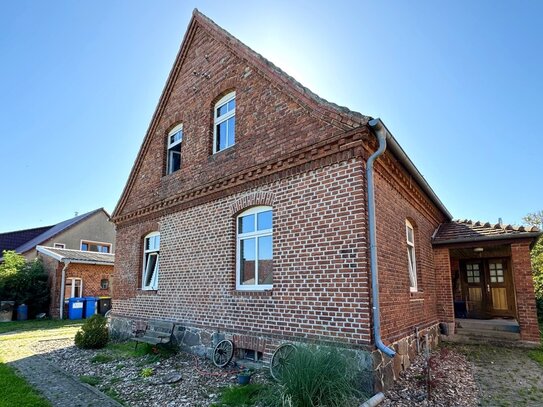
(51, 231)
(77, 256)
(465, 231)
(339, 115)
(12, 240)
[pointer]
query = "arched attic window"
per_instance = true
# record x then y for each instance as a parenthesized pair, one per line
(224, 122)
(175, 139)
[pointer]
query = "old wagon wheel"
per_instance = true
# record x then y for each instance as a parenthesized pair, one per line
(223, 352)
(280, 359)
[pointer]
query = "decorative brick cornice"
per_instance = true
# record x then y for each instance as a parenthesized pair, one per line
(342, 147)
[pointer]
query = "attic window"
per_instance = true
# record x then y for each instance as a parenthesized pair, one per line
(224, 133)
(175, 138)
(90, 246)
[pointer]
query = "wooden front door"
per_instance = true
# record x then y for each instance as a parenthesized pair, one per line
(488, 288)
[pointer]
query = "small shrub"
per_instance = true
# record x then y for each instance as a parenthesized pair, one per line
(102, 358)
(146, 372)
(92, 380)
(240, 395)
(319, 376)
(93, 333)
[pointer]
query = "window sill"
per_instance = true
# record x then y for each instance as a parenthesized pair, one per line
(146, 292)
(416, 296)
(252, 293)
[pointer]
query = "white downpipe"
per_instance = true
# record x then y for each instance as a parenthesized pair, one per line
(62, 288)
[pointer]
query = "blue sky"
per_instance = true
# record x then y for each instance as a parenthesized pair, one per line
(459, 84)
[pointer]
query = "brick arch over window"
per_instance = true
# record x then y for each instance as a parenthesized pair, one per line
(259, 198)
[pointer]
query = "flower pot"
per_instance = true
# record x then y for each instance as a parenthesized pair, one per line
(244, 379)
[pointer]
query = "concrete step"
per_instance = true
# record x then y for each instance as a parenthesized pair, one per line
(493, 325)
(489, 334)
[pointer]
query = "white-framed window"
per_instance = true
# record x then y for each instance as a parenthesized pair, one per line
(73, 287)
(151, 250)
(91, 246)
(412, 263)
(254, 269)
(59, 246)
(175, 138)
(224, 128)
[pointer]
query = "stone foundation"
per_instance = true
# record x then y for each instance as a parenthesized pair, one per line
(388, 369)
(201, 341)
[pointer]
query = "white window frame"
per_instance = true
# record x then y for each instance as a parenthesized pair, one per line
(256, 234)
(73, 279)
(96, 243)
(59, 245)
(219, 119)
(147, 253)
(411, 258)
(175, 130)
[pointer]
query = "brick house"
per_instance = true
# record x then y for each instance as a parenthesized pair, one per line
(88, 234)
(250, 212)
(75, 273)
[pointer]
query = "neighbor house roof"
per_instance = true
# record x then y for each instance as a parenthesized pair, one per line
(340, 115)
(47, 232)
(460, 231)
(12, 240)
(77, 256)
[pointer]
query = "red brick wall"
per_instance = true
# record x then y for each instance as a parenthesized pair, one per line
(320, 288)
(398, 198)
(269, 123)
(524, 289)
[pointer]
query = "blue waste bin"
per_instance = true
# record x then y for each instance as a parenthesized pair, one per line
(90, 306)
(22, 312)
(75, 308)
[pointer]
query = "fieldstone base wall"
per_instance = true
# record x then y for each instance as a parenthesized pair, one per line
(388, 369)
(201, 341)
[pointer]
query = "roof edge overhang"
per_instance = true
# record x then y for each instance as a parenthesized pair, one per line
(44, 250)
(394, 147)
(489, 239)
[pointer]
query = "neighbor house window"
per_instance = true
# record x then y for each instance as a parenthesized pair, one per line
(175, 138)
(410, 238)
(255, 249)
(104, 284)
(151, 251)
(90, 246)
(224, 134)
(73, 287)
(59, 246)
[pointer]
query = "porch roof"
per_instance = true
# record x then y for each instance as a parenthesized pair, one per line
(465, 231)
(77, 256)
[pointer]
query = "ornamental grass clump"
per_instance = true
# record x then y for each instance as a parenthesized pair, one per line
(93, 334)
(319, 376)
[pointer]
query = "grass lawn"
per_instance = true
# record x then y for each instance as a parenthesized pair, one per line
(537, 354)
(17, 392)
(32, 325)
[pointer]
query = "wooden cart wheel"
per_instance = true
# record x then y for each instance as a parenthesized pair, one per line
(280, 359)
(223, 352)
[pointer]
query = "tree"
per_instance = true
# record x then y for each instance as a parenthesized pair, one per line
(24, 282)
(536, 219)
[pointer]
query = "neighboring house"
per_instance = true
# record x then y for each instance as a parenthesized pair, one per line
(249, 213)
(91, 232)
(75, 273)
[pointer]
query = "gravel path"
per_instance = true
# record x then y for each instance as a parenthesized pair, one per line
(505, 376)
(20, 350)
(60, 388)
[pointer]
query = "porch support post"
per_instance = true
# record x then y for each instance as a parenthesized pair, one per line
(444, 292)
(524, 292)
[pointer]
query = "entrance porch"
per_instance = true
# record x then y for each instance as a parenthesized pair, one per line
(486, 289)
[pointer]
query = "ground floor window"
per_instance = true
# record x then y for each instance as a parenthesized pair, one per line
(73, 287)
